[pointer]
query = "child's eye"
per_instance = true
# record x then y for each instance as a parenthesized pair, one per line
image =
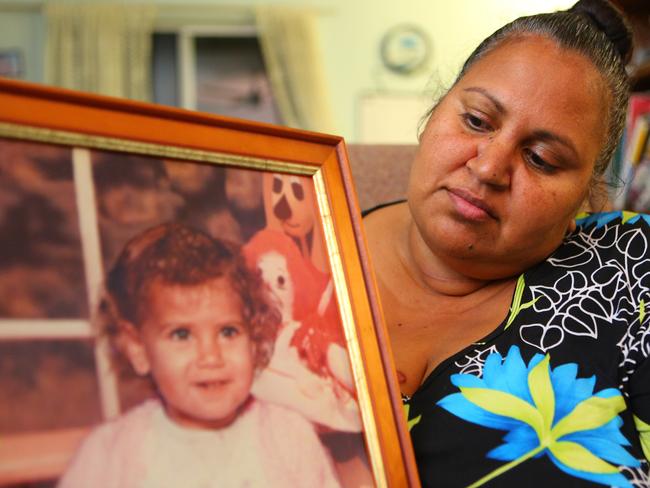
(180, 334)
(230, 331)
(476, 123)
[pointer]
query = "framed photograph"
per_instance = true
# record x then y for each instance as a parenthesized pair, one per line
(192, 291)
(11, 63)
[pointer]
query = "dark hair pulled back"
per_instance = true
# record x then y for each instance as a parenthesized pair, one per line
(597, 30)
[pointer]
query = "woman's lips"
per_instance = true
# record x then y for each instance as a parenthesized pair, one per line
(469, 206)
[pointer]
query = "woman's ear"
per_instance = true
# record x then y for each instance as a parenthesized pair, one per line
(572, 226)
(133, 347)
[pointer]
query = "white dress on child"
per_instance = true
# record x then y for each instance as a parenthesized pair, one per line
(266, 446)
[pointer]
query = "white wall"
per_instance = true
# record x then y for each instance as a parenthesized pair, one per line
(350, 33)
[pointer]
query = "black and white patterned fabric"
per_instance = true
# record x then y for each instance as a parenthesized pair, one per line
(559, 393)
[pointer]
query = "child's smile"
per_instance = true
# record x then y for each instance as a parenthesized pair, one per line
(195, 344)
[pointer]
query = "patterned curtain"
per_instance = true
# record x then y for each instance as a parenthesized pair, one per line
(289, 41)
(100, 47)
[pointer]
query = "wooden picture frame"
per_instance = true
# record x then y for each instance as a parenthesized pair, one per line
(85, 174)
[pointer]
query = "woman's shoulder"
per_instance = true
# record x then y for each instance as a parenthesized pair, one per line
(376, 208)
(384, 226)
(608, 235)
(605, 249)
(387, 216)
(592, 291)
(383, 221)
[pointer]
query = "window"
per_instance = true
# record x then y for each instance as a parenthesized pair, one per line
(216, 71)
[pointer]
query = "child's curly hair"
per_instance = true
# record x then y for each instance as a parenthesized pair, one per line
(176, 254)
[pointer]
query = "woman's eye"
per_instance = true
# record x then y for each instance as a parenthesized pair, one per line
(475, 122)
(180, 334)
(538, 162)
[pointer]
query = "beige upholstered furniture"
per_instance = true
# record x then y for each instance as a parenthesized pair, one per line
(380, 172)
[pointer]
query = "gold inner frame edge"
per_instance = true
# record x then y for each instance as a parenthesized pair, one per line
(39, 134)
(347, 319)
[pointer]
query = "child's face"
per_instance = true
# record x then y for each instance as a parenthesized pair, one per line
(195, 344)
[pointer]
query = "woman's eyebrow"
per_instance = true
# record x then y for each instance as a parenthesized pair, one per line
(497, 104)
(548, 136)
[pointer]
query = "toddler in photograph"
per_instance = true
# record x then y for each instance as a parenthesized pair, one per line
(186, 311)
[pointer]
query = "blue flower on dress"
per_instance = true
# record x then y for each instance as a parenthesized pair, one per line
(546, 412)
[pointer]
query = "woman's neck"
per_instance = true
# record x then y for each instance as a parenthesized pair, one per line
(431, 272)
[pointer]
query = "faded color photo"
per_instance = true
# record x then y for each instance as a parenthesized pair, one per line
(169, 323)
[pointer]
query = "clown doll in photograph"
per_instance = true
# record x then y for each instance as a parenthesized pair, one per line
(290, 207)
(310, 370)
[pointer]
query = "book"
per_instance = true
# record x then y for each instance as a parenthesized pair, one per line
(633, 145)
(637, 197)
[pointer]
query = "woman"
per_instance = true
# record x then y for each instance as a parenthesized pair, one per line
(521, 341)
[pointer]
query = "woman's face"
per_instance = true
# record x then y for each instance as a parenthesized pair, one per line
(506, 158)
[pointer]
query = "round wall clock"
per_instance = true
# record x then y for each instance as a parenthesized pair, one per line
(405, 49)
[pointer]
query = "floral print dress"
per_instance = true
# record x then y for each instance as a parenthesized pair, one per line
(559, 394)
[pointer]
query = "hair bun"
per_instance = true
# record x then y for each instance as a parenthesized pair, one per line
(609, 20)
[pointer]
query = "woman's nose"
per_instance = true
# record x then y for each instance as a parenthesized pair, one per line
(492, 164)
(209, 352)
